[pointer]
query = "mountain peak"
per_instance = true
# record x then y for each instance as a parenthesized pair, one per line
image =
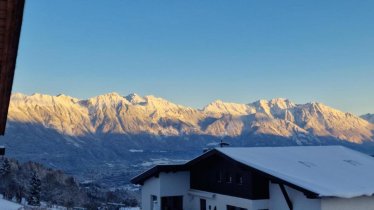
(18, 95)
(112, 94)
(135, 98)
(279, 100)
(66, 97)
(218, 106)
(39, 95)
(108, 97)
(217, 103)
(159, 102)
(282, 103)
(368, 117)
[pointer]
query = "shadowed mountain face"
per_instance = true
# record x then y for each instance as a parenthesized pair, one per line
(368, 117)
(72, 134)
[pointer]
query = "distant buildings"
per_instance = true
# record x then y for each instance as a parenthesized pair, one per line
(264, 178)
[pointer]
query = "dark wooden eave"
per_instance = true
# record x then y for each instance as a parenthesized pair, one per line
(155, 171)
(11, 14)
(286, 196)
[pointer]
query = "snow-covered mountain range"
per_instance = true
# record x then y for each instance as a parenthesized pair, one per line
(65, 132)
(133, 114)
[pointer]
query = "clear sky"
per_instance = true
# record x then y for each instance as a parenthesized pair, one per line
(193, 52)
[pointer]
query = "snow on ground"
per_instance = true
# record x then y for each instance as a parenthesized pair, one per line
(161, 161)
(127, 187)
(130, 208)
(8, 205)
(136, 150)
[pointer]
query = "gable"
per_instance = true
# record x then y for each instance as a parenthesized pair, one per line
(219, 174)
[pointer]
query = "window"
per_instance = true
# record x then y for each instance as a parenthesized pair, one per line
(219, 176)
(239, 179)
(228, 207)
(172, 203)
(202, 204)
(154, 202)
(228, 178)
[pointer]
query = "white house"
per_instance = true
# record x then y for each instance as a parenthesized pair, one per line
(263, 178)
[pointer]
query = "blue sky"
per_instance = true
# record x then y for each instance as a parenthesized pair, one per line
(193, 52)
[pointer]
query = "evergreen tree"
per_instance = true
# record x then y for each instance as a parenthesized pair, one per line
(34, 191)
(5, 167)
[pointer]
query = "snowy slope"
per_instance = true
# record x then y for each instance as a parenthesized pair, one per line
(8, 205)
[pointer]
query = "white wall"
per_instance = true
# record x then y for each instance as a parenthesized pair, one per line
(221, 201)
(166, 184)
(359, 203)
(150, 187)
(175, 184)
(299, 200)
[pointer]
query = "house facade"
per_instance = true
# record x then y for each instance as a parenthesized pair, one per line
(278, 178)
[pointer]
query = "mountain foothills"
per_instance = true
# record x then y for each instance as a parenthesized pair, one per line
(111, 130)
(55, 187)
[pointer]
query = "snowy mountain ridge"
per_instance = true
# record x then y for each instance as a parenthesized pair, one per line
(134, 114)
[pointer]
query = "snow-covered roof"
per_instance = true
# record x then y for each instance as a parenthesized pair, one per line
(334, 171)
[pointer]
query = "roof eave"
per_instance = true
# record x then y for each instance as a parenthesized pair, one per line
(155, 171)
(8, 55)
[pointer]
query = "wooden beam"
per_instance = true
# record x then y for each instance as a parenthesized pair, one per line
(11, 26)
(286, 197)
